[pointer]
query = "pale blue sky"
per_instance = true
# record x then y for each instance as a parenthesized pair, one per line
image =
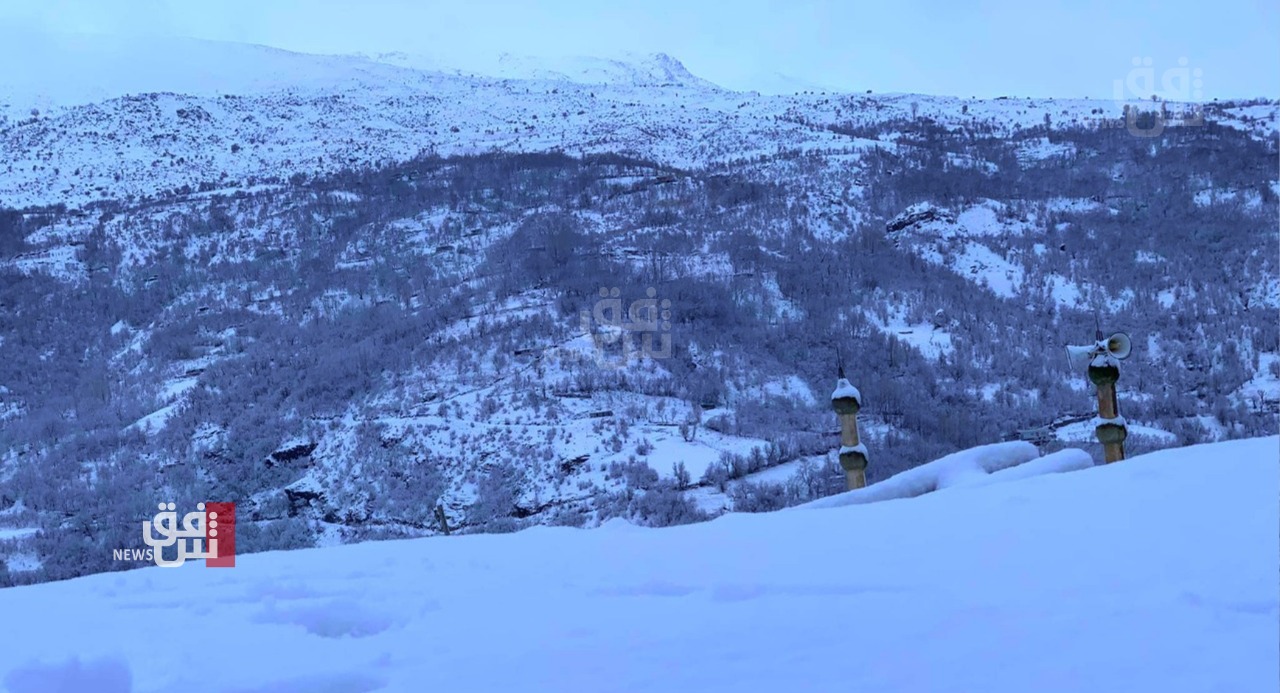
(1064, 48)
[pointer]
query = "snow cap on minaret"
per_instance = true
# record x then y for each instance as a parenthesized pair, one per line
(846, 390)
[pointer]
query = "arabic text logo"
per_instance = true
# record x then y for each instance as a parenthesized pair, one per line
(209, 533)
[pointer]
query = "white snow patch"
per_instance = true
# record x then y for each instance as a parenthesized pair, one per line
(22, 562)
(1265, 384)
(986, 267)
(929, 340)
(17, 533)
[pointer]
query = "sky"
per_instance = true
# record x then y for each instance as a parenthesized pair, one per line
(983, 48)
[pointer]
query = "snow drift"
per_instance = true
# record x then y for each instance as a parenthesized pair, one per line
(985, 464)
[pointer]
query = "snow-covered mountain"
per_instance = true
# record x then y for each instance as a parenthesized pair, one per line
(331, 287)
(1154, 574)
(627, 70)
(84, 118)
(49, 70)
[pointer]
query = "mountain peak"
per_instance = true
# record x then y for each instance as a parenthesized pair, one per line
(625, 69)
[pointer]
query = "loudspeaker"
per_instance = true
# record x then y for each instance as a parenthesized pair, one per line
(1079, 356)
(1119, 345)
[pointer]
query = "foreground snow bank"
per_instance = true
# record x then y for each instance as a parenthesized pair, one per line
(1155, 574)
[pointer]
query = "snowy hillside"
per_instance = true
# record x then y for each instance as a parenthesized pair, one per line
(1156, 574)
(357, 295)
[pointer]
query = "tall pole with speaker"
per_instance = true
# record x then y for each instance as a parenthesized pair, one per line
(1103, 358)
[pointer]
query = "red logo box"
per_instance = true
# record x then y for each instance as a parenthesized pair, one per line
(220, 523)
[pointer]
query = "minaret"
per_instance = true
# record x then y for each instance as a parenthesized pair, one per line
(1104, 357)
(1104, 372)
(846, 400)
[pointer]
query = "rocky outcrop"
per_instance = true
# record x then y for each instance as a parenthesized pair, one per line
(918, 214)
(292, 453)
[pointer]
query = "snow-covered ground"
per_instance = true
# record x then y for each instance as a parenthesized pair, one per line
(931, 340)
(1264, 386)
(1155, 574)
